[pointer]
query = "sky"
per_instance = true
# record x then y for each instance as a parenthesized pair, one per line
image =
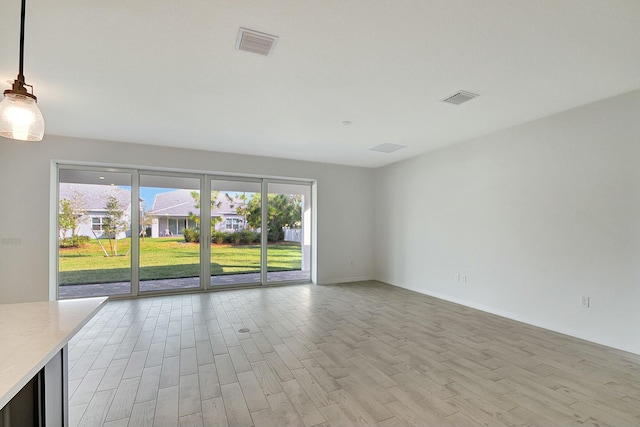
(148, 194)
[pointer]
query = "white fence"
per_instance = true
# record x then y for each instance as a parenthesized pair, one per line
(292, 234)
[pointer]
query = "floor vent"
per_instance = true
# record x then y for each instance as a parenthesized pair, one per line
(459, 97)
(256, 42)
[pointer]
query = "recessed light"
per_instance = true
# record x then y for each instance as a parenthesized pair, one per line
(101, 177)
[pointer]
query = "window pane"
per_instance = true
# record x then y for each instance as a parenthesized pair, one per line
(94, 232)
(169, 250)
(235, 237)
(289, 233)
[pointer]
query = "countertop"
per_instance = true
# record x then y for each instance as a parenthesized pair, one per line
(32, 333)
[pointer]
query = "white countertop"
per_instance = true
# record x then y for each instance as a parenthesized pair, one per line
(32, 333)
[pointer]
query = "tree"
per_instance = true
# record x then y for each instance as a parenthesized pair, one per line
(70, 216)
(66, 219)
(146, 220)
(114, 223)
(254, 212)
(241, 203)
(284, 210)
(215, 203)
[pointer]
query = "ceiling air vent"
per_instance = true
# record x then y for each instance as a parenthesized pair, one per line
(459, 97)
(256, 42)
(387, 148)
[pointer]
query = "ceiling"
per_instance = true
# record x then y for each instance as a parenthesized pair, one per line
(166, 72)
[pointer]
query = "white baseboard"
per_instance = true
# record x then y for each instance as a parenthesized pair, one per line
(346, 280)
(635, 349)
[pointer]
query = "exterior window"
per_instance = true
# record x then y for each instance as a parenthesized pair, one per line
(173, 227)
(233, 224)
(96, 223)
(182, 224)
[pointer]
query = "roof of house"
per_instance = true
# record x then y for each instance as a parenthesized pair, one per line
(94, 197)
(181, 203)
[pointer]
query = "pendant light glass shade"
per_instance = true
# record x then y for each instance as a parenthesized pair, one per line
(20, 118)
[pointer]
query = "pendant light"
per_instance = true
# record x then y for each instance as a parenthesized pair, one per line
(20, 117)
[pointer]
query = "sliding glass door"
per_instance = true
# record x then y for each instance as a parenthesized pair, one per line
(289, 232)
(125, 232)
(236, 224)
(169, 233)
(94, 233)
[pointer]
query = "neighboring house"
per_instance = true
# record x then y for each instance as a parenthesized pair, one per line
(172, 213)
(90, 201)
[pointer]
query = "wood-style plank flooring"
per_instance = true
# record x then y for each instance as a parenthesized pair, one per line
(361, 354)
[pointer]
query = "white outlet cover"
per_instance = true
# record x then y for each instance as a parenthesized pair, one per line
(11, 241)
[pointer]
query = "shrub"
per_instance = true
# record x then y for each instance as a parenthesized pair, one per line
(191, 235)
(245, 237)
(74, 242)
(217, 237)
(275, 234)
(237, 238)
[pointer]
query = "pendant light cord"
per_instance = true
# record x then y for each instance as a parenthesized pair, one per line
(22, 17)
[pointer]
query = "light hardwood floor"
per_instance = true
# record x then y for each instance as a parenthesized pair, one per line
(361, 354)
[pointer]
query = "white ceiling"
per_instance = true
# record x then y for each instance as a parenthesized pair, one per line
(166, 72)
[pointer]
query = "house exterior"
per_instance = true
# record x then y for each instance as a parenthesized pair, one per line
(173, 211)
(90, 201)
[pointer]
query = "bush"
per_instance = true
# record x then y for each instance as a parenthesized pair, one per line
(74, 242)
(218, 237)
(191, 235)
(275, 234)
(245, 237)
(236, 238)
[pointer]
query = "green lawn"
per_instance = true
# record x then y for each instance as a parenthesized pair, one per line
(166, 258)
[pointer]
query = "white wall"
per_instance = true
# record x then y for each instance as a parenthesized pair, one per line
(25, 175)
(536, 216)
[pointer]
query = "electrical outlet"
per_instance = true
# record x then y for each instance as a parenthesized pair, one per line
(458, 277)
(584, 302)
(11, 241)
(464, 278)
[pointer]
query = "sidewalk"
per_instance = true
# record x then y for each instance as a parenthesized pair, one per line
(123, 288)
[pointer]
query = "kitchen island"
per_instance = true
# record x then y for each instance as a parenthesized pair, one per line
(33, 359)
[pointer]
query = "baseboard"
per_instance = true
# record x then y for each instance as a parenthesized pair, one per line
(346, 280)
(517, 317)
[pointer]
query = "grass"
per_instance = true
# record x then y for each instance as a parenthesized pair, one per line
(169, 258)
